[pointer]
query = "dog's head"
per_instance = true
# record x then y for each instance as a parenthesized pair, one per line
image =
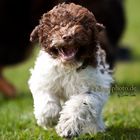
(69, 33)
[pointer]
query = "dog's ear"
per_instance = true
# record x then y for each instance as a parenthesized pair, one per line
(100, 27)
(34, 34)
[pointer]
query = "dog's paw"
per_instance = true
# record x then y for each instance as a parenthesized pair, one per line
(68, 128)
(49, 116)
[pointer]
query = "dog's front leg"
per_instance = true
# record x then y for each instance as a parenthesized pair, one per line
(46, 109)
(81, 114)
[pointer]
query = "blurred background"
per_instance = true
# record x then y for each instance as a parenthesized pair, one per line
(122, 112)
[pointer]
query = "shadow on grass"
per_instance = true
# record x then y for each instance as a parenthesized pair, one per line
(124, 133)
(114, 133)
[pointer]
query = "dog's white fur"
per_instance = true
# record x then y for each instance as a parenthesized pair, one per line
(83, 93)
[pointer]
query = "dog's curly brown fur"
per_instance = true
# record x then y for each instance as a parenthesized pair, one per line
(74, 21)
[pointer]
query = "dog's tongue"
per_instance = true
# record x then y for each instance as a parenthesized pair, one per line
(68, 53)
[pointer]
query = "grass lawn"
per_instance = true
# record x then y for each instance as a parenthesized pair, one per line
(121, 113)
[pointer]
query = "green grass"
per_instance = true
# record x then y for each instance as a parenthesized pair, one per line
(121, 113)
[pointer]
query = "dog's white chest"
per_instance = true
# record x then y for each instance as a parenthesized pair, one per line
(73, 82)
(51, 76)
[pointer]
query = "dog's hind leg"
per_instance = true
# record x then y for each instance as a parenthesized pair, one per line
(81, 114)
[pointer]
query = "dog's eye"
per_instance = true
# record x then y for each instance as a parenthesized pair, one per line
(86, 26)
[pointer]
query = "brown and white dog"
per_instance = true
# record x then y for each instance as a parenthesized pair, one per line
(71, 67)
(19, 18)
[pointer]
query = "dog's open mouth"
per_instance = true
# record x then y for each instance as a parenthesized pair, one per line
(68, 53)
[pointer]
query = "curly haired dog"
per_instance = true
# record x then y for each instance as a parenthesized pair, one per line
(70, 81)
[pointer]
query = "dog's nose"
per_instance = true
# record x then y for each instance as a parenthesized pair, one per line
(67, 38)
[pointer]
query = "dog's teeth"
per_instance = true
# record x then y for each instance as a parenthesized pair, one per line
(61, 50)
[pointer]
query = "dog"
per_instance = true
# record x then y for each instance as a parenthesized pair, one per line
(20, 18)
(70, 82)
